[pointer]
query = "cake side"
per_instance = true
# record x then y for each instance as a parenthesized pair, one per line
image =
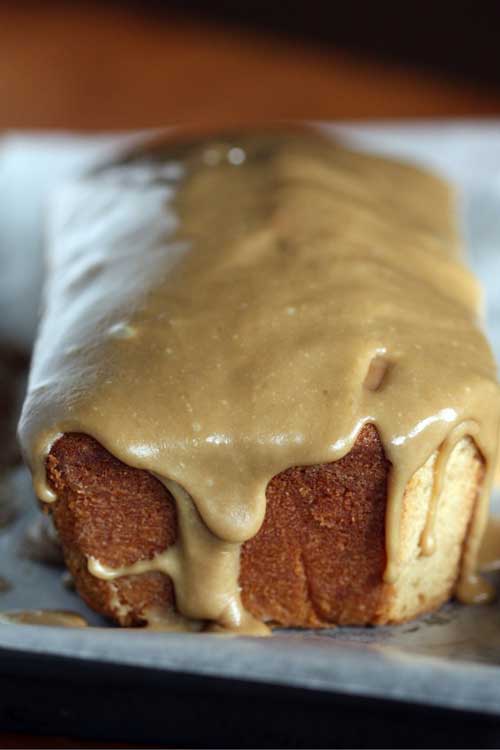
(318, 559)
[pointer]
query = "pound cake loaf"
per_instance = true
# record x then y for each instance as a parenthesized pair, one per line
(260, 395)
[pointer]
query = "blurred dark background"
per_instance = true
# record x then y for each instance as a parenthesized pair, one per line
(460, 38)
(106, 65)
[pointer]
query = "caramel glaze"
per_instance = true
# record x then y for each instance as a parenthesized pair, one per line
(219, 311)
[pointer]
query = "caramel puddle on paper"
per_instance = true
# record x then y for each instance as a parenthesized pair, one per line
(59, 617)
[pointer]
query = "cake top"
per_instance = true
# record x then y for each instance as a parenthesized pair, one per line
(220, 310)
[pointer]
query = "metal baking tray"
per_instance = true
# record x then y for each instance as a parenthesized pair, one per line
(434, 681)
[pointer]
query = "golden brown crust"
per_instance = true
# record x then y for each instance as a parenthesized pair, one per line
(118, 514)
(318, 558)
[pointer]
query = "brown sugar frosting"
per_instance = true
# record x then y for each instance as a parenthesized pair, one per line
(219, 311)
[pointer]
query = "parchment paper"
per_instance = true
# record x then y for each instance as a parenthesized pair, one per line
(450, 658)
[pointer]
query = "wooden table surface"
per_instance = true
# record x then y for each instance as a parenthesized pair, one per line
(90, 67)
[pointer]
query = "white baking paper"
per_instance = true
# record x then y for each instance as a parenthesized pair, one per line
(450, 658)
